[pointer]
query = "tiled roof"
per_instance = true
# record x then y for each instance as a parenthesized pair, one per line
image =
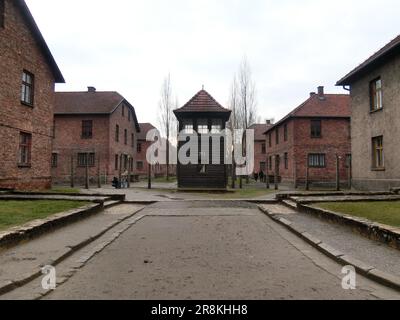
(332, 106)
(144, 128)
(99, 102)
(87, 102)
(391, 48)
(259, 130)
(37, 35)
(202, 102)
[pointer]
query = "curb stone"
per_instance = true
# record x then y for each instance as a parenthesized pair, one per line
(370, 272)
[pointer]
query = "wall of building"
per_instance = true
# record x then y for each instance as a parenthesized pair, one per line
(19, 51)
(259, 156)
(366, 125)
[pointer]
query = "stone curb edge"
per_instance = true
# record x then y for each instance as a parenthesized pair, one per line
(370, 272)
(372, 230)
(11, 285)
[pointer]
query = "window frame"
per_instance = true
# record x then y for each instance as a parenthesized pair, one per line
(27, 147)
(54, 160)
(2, 13)
(85, 130)
(31, 87)
(263, 148)
(286, 160)
(373, 95)
(139, 167)
(139, 148)
(316, 132)
(117, 133)
(376, 150)
(320, 156)
(86, 159)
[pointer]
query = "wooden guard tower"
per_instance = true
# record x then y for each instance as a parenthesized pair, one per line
(203, 115)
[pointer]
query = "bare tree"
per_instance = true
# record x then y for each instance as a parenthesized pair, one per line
(247, 95)
(166, 117)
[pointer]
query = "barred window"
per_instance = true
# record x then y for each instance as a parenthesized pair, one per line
(202, 127)
(316, 160)
(54, 160)
(86, 159)
(216, 126)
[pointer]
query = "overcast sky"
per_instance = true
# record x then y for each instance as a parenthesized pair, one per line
(293, 46)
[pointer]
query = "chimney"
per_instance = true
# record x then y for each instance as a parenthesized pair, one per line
(321, 94)
(269, 122)
(91, 89)
(312, 94)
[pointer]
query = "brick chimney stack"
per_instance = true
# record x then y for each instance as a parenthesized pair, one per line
(91, 89)
(321, 94)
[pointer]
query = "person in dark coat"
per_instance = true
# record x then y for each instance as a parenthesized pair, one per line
(256, 176)
(262, 176)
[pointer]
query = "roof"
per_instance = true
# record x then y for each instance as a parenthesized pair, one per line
(332, 106)
(202, 102)
(259, 130)
(37, 35)
(377, 59)
(90, 103)
(144, 129)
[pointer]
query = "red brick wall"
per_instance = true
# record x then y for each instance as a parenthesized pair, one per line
(259, 156)
(19, 51)
(68, 142)
(335, 140)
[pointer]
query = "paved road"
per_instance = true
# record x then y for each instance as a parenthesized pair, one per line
(210, 250)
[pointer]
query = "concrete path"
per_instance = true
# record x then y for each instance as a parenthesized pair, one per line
(201, 250)
(26, 260)
(343, 238)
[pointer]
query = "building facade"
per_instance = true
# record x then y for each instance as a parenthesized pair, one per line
(28, 75)
(202, 117)
(142, 166)
(260, 146)
(375, 96)
(313, 137)
(97, 130)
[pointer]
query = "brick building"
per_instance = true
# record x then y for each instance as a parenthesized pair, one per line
(260, 146)
(312, 134)
(142, 166)
(94, 128)
(28, 75)
(375, 96)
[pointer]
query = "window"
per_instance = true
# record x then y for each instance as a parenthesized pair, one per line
(270, 140)
(25, 145)
(2, 12)
(27, 88)
(270, 163)
(216, 126)
(262, 166)
(86, 159)
(125, 161)
(139, 165)
(116, 162)
(132, 140)
(188, 127)
(202, 127)
(277, 136)
(375, 92)
(125, 137)
(378, 159)
(285, 132)
(54, 160)
(286, 158)
(87, 129)
(117, 133)
(139, 148)
(263, 148)
(315, 128)
(316, 160)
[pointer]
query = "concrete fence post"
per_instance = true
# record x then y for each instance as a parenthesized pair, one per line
(98, 173)
(72, 172)
(149, 177)
(337, 173)
(307, 175)
(276, 173)
(87, 171)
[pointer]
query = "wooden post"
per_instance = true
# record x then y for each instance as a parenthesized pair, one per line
(72, 172)
(149, 177)
(241, 182)
(267, 174)
(98, 173)
(337, 173)
(276, 173)
(295, 174)
(307, 175)
(233, 176)
(87, 172)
